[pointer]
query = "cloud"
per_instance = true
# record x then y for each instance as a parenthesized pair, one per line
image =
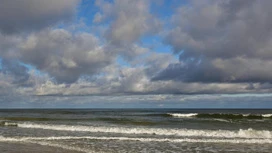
(64, 55)
(223, 47)
(221, 41)
(15, 70)
(218, 70)
(77, 65)
(131, 19)
(67, 56)
(129, 81)
(120, 80)
(29, 15)
(6, 86)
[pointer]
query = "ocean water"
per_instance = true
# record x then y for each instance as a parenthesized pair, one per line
(136, 130)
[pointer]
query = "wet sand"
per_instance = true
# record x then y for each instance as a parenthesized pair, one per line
(6, 147)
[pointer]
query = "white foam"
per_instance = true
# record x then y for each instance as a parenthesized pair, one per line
(244, 115)
(10, 124)
(267, 115)
(192, 140)
(263, 115)
(182, 115)
(249, 133)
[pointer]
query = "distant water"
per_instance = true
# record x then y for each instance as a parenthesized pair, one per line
(140, 130)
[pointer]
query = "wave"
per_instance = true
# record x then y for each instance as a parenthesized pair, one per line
(182, 115)
(193, 140)
(222, 116)
(5, 123)
(267, 115)
(249, 133)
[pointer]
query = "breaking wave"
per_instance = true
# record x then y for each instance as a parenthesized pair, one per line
(242, 133)
(182, 115)
(194, 140)
(5, 123)
(222, 116)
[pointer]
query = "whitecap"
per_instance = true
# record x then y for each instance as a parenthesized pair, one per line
(242, 133)
(182, 115)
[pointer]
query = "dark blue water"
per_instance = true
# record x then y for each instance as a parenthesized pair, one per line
(140, 130)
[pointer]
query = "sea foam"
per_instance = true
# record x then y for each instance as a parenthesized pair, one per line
(193, 140)
(221, 115)
(242, 133)
(182, 115)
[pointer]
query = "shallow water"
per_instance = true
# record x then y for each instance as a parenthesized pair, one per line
(12, 147)
(138, 130)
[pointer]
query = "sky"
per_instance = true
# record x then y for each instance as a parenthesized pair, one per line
(135, 54)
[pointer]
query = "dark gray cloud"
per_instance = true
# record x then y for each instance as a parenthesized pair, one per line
(191, 71)
(29, 15)
(221, 41)
(219, 70)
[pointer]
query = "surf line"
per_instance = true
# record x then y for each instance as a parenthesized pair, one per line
(242, 133)
(192, 140)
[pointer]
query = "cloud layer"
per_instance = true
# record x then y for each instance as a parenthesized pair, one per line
(221, 41)
(19, 16)
(50, 48)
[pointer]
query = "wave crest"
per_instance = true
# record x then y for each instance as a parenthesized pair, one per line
(248, 133)
(182, 115)
(222, 115)
(194, 140)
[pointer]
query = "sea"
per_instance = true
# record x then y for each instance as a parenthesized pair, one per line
(136, 130)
